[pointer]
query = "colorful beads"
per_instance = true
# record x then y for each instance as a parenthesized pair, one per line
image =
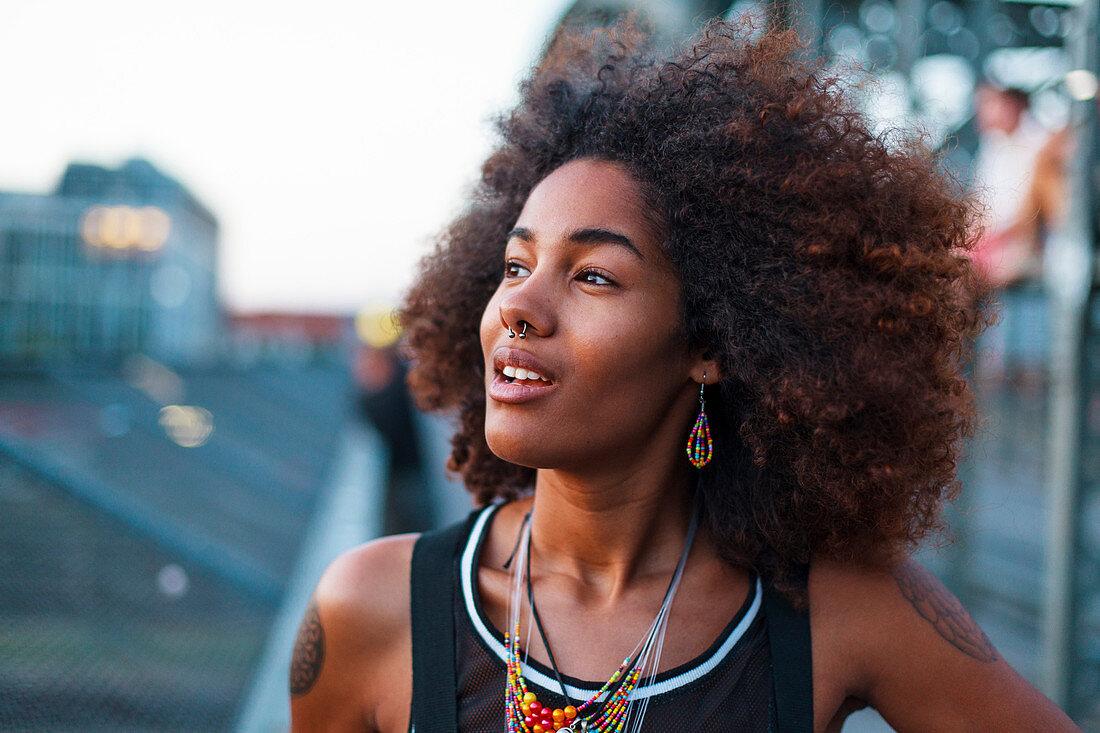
(700, 447)
(525, 714)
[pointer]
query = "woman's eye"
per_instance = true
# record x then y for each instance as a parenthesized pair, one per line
(593, 277)
(514, 269)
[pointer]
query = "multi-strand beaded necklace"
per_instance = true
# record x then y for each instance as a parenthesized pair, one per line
(525, 713)
(610, 709)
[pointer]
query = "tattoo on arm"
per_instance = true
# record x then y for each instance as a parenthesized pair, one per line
(941, 609)
(309, 652)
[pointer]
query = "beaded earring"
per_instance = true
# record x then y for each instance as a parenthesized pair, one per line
(700, 448)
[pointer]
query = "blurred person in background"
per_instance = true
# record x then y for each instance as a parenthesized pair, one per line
(384, 402)
(1046, 194)
(1009, 253)
(1048, 197)
(1004, 171)
(710, 250)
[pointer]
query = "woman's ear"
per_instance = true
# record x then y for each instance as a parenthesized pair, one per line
(705, 368)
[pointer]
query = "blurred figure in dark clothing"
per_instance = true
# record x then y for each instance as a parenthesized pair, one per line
(384, 402)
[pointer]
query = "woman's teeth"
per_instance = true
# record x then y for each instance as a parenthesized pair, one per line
(522, 374)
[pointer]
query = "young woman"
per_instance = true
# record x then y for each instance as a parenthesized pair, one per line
(711, 253)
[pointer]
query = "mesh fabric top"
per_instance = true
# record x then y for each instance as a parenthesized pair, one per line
(728, 687)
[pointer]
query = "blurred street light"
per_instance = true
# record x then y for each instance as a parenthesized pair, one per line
(187, 426)
(1081, 84)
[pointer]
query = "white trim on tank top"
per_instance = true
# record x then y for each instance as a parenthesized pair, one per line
(549, 683)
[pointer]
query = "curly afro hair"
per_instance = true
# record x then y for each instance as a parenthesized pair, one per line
(824, 266)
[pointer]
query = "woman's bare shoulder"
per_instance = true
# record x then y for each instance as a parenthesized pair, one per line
(353, 655)
(370, 583)
(897, 639)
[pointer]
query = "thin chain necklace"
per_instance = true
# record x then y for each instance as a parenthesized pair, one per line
(609, 710)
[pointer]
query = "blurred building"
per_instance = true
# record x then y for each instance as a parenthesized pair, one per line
(112, 262)
(160, 462)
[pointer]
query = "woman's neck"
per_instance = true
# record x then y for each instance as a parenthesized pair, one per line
(605, 531)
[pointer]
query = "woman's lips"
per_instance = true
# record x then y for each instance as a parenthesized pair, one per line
(505, 356)
(504, 389)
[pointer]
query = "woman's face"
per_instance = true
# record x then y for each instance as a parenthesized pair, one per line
(584, 273)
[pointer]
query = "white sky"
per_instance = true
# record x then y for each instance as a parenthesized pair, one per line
(332, 139)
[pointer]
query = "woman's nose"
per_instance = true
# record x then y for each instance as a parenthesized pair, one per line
(526, 310)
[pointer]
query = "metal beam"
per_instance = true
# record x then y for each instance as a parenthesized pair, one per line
(1074, 268)
(910, 27)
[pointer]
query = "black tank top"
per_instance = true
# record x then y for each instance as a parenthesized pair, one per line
(730, 687)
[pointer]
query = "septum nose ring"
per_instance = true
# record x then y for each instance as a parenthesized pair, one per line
(522, 333)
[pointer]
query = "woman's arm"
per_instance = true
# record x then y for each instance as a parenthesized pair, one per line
(352, 664)
(899, 641)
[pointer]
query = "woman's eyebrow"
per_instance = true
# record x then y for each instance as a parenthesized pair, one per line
(585, 236)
